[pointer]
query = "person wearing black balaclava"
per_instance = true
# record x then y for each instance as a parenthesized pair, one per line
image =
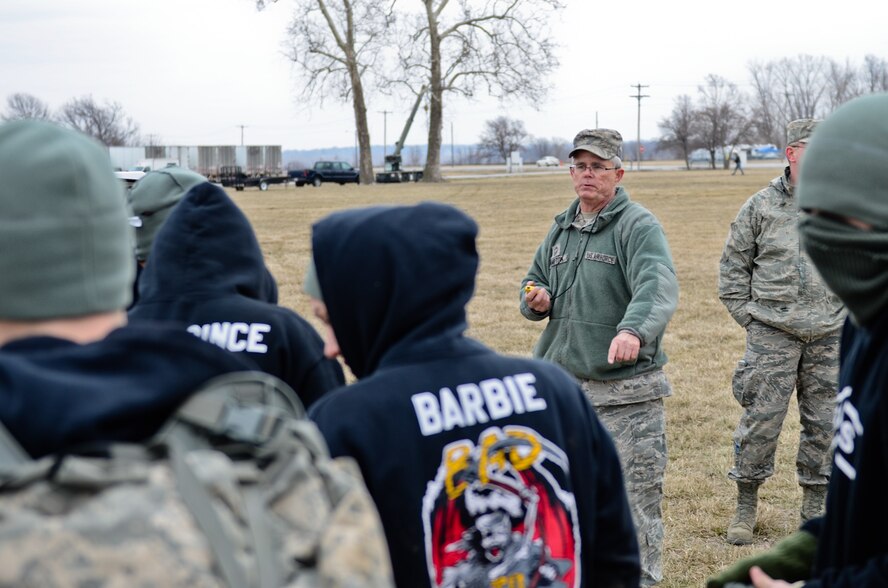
(843, 196)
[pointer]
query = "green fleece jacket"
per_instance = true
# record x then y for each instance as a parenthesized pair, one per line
(613, 275)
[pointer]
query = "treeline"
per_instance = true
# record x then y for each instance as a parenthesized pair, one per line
(722, 115)
(107, 121)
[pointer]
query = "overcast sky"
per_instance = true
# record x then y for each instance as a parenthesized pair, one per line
(193, 72)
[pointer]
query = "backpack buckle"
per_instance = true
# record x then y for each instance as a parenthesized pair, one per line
(248, 423)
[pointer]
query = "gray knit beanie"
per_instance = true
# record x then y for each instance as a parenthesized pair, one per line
(152, 199)
(65, 244)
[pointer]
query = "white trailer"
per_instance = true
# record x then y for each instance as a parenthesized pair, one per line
(207, 160)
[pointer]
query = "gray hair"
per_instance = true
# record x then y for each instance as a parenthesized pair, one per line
(618, 163)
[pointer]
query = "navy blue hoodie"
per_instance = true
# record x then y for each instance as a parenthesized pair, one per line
(487, 470)
(56, 394)
(207, 274)
(852, 548)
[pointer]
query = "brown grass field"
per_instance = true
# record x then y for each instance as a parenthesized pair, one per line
(702, 342)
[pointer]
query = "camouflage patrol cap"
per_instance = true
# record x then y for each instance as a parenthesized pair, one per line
(799, 130)
(605, 143)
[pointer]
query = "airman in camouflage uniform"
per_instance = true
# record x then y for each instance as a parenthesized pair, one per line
(792, 323)
(603, 278)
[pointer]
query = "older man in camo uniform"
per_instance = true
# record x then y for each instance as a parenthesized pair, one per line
(792, 323)
(603, 278)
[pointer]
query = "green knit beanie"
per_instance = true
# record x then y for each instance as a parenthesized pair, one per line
(844, 175)
(65, 244)
(845, 169)
(152, 199)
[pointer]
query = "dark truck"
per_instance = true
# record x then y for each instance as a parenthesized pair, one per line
(325, 171)
(233, 176)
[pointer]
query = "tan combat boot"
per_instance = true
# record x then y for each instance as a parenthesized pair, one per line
(813, 500)
(740, 529)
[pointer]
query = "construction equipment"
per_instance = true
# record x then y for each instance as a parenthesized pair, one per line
(392, 172)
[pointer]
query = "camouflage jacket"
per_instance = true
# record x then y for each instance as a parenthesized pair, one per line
(765, 275)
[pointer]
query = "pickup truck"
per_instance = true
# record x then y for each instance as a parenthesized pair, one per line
(339, 172)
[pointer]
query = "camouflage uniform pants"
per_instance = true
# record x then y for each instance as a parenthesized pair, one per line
(639, 433)
(775, 363)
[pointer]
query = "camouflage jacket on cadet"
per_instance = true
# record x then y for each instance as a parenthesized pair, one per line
(765, 275)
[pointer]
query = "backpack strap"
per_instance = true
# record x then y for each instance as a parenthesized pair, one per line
(252, 410)
(11, 453)
(199, 503)
(265, 548)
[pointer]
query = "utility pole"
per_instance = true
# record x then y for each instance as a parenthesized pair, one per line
(638, 96)
(452, 161)
(242, 134)
(385, 114)
(790, 109)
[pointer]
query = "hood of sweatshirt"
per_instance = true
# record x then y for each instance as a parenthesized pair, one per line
(206, 247)
(395, 280)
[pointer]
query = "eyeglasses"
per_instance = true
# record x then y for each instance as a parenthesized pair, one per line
(595, 168)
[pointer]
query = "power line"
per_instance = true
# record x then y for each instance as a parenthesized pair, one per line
(638, 96)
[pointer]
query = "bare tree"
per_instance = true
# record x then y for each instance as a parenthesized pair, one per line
(769, 119)
(804, 85)
(106, 122)
(722, 118)
(679, 128)
(502, 136)
(21, 105)
(787, 89)
(809, 87)
(843, 83)
(502, 46)
(337, 44)
(875, 74)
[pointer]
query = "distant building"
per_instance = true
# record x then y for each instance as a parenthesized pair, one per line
(203, 159)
